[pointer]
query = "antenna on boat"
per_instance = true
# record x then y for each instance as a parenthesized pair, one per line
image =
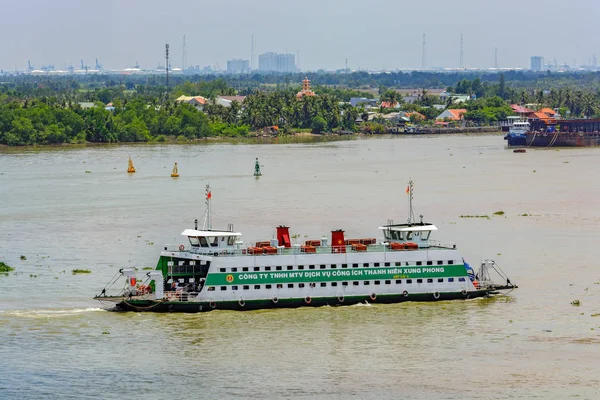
(409, 191)
(207, 221)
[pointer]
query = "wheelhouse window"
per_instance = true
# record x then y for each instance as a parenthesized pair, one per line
(203, 241)
(425, 235)
(231, 240)
(215, 241)
(194, 241)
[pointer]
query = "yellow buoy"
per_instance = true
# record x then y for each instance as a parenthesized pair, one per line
(130, 168)
(175, 173)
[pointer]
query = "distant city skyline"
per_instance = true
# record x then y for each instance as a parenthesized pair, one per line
(376, 35)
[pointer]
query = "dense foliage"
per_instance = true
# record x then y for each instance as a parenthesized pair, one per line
(46, 110)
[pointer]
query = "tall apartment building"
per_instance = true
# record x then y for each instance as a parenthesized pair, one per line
(238, 66)
(537, 63)
(275, 62)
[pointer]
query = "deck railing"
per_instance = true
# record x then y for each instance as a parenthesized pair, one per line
(300, 250)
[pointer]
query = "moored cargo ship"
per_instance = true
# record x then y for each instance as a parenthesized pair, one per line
(560, 133)
(216, 271)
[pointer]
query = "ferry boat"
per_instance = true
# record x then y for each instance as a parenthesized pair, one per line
(216, 270)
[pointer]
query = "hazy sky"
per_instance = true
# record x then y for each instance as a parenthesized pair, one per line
(371, 34)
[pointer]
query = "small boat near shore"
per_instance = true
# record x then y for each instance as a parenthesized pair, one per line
(216, 270)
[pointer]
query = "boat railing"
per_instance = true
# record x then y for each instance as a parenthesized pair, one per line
(309, 250)
(442, 244)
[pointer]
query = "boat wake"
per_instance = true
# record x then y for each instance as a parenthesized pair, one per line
(50, 313)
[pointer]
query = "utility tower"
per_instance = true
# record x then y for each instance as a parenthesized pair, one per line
(183, 57)
(462, 56)
(167, 66)
(424, 55)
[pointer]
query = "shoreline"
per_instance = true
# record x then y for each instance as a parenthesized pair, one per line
(302, 138)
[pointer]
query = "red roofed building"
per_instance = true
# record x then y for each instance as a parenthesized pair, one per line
(522, 111)
(387, 104)
(539, 116)
(452, 115)
(549, 112)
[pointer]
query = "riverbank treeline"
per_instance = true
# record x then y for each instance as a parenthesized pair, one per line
(55, 110)
(142, 118)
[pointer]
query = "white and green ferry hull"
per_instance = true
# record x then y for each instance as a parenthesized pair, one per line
(249, 282)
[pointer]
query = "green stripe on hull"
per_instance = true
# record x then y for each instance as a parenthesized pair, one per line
(334, 275)
(193, 307)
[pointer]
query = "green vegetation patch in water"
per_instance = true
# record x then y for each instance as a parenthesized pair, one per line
(475, 216)
(81, 271)
(5, 268)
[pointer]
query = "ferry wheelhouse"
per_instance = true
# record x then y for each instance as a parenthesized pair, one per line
(217, 270)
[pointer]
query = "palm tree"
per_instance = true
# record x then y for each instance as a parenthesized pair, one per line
(390, 96)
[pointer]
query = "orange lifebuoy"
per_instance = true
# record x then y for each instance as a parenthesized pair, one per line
(476, 284)
(181, 247)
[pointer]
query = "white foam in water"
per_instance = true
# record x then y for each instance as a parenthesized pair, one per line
(51, 313)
